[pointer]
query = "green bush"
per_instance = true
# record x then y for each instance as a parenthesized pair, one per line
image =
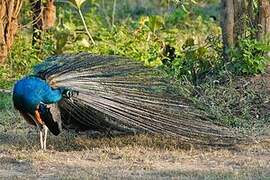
(249, 57)
(22, 58)
(194, 62)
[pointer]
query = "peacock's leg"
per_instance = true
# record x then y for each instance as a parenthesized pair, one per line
(45, 129)
(41, 138)
(43, 132)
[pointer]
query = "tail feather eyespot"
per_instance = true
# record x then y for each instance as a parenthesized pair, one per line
(70, 93)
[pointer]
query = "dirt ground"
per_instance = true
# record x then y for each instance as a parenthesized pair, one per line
(72, 156)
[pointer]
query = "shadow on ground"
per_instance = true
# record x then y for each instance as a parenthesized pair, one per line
(69, 141)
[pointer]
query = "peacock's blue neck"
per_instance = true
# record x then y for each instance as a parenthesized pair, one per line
(30, 91)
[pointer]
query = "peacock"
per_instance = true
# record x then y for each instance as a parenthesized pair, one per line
(83, 91)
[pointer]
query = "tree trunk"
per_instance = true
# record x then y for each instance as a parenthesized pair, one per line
(9, 12)
(227, 25)
(49, 14)
(38, 23)
(239, 19)
(263, 19)
(251, 14)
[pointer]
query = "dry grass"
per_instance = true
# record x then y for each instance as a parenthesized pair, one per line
(73, 156)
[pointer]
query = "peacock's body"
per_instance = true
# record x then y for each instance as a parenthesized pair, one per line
(30, 91)
(109, 93)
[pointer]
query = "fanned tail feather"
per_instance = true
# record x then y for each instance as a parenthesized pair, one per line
(117, 94)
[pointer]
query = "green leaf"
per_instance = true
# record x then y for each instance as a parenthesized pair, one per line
(201, 52)
(77, 3)
(155, 22)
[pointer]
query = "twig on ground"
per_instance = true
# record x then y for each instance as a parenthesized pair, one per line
(5, 91)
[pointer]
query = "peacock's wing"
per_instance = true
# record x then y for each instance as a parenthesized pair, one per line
(119, 94)
(51, 116)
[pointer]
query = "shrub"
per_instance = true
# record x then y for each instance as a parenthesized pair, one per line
(249, 57)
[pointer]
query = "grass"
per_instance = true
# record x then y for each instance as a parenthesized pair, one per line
(8, 116)
(142, 156)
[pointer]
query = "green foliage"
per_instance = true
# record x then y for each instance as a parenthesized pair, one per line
(195, 61)
(76, 3)
(154, 23)
(5, 102)
(22, 58)
(7, 114)
(177, 16)
(249, 57)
